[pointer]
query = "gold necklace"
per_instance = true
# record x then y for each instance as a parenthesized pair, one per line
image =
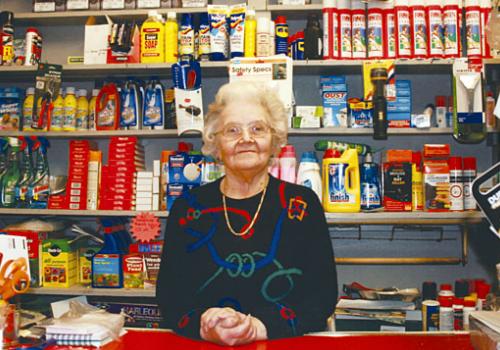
(239, 234)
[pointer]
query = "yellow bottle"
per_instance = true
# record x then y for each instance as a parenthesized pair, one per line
(341, 182)
(92, 105)
(250, 33)
(153, 39)
(57, 118)
(171, 38)
(417, 186)
(28, 109)
(70, 110)
(82, 111)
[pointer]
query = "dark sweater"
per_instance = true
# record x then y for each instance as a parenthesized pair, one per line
(281, 272)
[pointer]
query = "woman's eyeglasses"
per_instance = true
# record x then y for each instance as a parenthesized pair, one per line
(234, 131)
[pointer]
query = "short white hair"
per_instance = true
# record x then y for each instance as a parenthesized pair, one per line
(257, 92)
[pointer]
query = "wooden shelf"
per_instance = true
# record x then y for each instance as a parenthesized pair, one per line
(396, 218)
(81, 290)
(58, 212)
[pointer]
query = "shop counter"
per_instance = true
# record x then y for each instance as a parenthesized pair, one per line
(143, 340)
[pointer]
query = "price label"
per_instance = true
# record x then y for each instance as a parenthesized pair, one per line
(145, 227)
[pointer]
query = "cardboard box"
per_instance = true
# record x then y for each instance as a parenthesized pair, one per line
(334, 97)
(360, 113)
(85, 256)
(107, 271)
(185, 168)
(397, 186)
(95, 45)
(436, 185)
(77, 5)
(307, 117)
(34, 249)
(133, 271)
(152, 268)
(59, 263)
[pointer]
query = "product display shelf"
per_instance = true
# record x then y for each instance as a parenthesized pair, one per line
(82, 290)
(397, 218)
(80, 17)
(61, 212)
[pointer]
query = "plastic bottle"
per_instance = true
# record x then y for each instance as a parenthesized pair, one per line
(456, 184)
(313, 38)
(152, 39)
(10, 179)
(491, 119)
(263, 38)
(445, 290)
(7, 38)
(219, 39)
(389, 29)
(131, 105)
(418, 20)
(288, 164)
(171, 38)
(27, 173)
(274, 167)
(237, 30)
(341, 181)
(403, 28)
(458, 314)
(107, 113)
(69, 123)
(58, 113)
(473, 30)
(486, 7)
(330, 30)
(445, 314)
(435, 28)
(28, 104)
(272, 38)
(469, 306)
(186, 37)
(4, 157)
(451, 28)
(376, 44)
(345, 29)
(39, 188)
(308, 174)
(82, 111)
(358, 13)
(92, 104)
(469, 174)
(281, 35)
(154, 113)
(417, 187)
(441, 111)
(250, 34)
(300, 46)
(370, 185)
(204, 38)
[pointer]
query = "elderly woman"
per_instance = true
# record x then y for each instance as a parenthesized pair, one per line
(247, 257)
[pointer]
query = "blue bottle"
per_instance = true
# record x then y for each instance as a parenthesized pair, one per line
(131, 106)
(154, 110)
(186, 38)
(370, 185)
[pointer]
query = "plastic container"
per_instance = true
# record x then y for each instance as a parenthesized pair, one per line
(204, 38)
(281, 28)
(344, 34)
(186, 37)
(263, 38)
(70, 105)
(417, 187)
(435, 28)
(28, 104)
(445, 314)
(131, 105)
(82, 110)
(376, 43)
(171, 38)
(418, 20)
(308, 174)
(250, 34)
(456, 184)
(358, 13)
(451, 28)
(403, 28)
(469, 174)
(92, 104)
(330, 30)
(272, 38)
(107, 114)
(370, 185)
(154, 110)
(152, 39)
(288, 164)
(341, 182)
(473, 30)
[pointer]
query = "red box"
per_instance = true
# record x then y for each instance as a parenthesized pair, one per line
(57, 202)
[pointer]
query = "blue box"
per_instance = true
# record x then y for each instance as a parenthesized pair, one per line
(399, 119)
(184, 168)
(176, 190)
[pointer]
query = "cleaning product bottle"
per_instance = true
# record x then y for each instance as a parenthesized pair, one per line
(345, 29)
(250, 33)
(389, 29)
(69, 123)
(418, 19)
(153, 113)
(358, 13)
(287, 163)
(10, 180)
(451, 28)
(82, 111)
(204, 38)
(27, 173)
(171, 38)
(435, 28)
(57, 117)
(370, 185)
(152, 39)
(341, 182)
(186, 37)
(417, 186)
(281, 28)
(39, 187)
(308, 174)
(130, 117)
(107, 113)
(330, 23)
(473, 28)
(376, 43)
(402, 26)
(28, 103)
(263, 38)
(237, 30)
(92, 105)
(313, 38)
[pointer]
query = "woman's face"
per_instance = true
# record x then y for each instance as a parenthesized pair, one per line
(244, 140)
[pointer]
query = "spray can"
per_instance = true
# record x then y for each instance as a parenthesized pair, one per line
(370, 185)
(7, 38)
(31, 48)
(263, 39)
(344, 29)
(418, 20)
(458, 314)
(456, 184)
(313, 47)
(389, 27)
(445, 314)
(330, 24)
(417, 188)
(435, 28)
(376, 45)
(473, 28)
(486, 7)
(300, 46)
(403, 28)
(358, 12)
(451, 28)
(186, 37)
(281, 35)
(469, 174)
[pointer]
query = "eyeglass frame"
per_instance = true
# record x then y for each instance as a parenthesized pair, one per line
(269, 130)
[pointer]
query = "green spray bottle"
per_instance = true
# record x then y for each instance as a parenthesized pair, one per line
(26, 167)
(10, 178)
(39, 188)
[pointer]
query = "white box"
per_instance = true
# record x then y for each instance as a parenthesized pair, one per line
(95, 46)
(145, 182)
(148, 4)
(113, 4)
(77, 4)
(144, 174)
(156, 202)
(156, 168)
(143, 188)
(156, 185)
(143, 207)
(141, 201)
(144, 194)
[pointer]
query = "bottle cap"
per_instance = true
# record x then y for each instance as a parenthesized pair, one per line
(461, 288)
(482, 290)
(309, 157)
(469, 303)
(300, 35)
(70, 90)
(458, 301)
(172, 15)
(250, 12)
(455, 163)
(416, 158)
(440, 101)
(332, 153)
(445, 286)
(445, 301)
(184, 147)
(81, 93)
(470, 163)
(368, 158)
(152, 13)
(95, 92)
(429, 290)
(30, 91)
(287, 151)
(280, 20)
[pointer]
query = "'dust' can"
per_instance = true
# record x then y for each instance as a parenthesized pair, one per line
(430, 315)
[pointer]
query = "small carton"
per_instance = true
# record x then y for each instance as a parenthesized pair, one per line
(152, 269)
(107, 271)
(185, 168)
(397, 186)
(334, 96)
(360, 113)
(174, 191)
(77, 4)
(436, 177)
(307, 117)
(133, 271)
(59, 263)
(85, 256)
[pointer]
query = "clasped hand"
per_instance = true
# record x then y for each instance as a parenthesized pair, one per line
(226, 326)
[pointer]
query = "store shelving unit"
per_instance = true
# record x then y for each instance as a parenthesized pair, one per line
(82, 290)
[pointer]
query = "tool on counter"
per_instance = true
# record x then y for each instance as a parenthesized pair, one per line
(14, 278)
(379, 79)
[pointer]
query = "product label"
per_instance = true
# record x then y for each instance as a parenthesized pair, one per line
(337, 191)
(419, 33)
(450, 24)
(219, 42)
(204, 40)
(81, 121)
(69, 116)
(457, 195)
(237, 33)
(370, 197)
(106, 270)
(436, 32)
(345, 36)
(45, 6)
(148, 4)
(113, 4)
(77, 4)
(186, 41)
(359, 36)
(10, 113)
(133, 267)
(473, 32)
(391, 36)
(327, 35)
(375, 38)
(404, 38)
(334, 34)
(151, 42)
(262, 41)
